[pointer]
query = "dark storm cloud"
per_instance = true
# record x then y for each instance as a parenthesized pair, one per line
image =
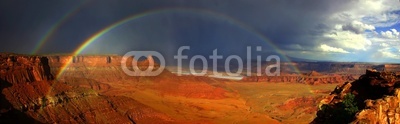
(357, 27)
(291, 25)
(23, 22)
(285, 22)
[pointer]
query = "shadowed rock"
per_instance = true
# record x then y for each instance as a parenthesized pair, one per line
(376, 97)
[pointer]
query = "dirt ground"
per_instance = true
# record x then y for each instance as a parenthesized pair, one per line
(243, 102)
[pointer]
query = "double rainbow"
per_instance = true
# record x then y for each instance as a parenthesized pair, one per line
(49, 33)
(112, 26)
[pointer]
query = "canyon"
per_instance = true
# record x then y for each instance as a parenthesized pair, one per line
(94, 89)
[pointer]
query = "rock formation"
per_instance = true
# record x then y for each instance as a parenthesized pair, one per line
(312, 78)
(15, 69)
(373, 98)
(31, 95)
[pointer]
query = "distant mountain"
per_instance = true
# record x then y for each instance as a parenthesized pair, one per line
(295, 59)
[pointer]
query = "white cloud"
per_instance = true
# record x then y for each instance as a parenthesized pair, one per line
(379, 13)
(353, 29)
(395, 32)
(350, 40)
(389, 55)
(327, 48)
(387, 34)
(384, 45)
(385, 54)
(390, 34)
(382, 20)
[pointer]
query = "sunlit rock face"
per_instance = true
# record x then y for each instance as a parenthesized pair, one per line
(15, 69)
(98, 67)
(376, 96)
(30, 92)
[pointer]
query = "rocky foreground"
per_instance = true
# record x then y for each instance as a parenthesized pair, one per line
(373, 98)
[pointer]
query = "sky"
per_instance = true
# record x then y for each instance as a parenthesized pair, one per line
(329, 30)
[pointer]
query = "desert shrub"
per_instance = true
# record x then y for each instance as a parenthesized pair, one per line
(342, 112)
(350, 105)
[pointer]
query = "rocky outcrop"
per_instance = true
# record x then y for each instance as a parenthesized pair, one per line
(19, 70)
(381, 111)
(16, 68)
(29, 89)
(376, 99)
(29, 93)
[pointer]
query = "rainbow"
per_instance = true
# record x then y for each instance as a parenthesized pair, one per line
(108, 28)
(56, 26)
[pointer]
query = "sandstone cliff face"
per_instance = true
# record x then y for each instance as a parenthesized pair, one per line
(28, 88)
(15, 69)
(392, 67)
(29, 93)
(376, 97)
(101, 68)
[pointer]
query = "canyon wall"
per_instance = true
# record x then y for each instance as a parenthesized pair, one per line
(392, 67)
(99, 60)
(102, 68)
(15, 69)
(30, 94)
(312, 79)
(96, 60)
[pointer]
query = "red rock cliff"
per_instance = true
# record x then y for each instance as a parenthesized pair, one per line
(30, 95)
(21, 69)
